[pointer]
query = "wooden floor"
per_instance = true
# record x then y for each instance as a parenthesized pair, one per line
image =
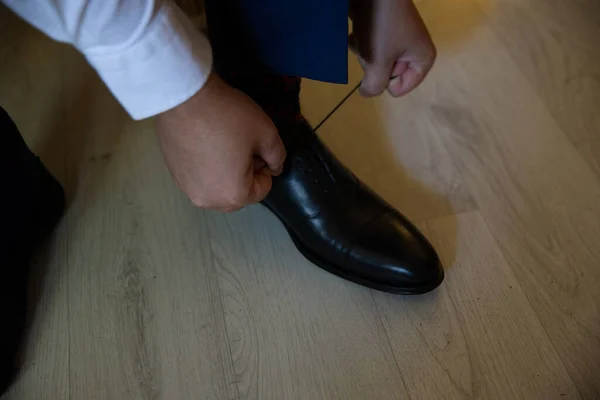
(496, 156)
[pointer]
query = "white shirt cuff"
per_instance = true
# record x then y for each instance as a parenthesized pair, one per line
(166, 65)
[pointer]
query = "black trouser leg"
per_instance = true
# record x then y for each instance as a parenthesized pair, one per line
(31, 202)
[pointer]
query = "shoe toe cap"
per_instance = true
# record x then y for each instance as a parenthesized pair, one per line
(398, 255)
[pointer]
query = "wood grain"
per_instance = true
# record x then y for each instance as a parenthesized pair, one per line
(591, 153)
(477, 337)
(496, 154)
(148, 312)
(539, 198)
(386, 143)
(45, 360)
(554, 44)
(135, 302)
(295, 331)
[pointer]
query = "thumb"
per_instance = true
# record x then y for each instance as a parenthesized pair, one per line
(376, 79)
(260, 187)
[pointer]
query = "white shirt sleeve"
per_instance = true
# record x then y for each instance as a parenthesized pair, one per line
(147, 51)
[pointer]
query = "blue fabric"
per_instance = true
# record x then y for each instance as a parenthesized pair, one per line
(306, 38)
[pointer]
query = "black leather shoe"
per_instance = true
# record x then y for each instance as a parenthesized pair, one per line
(342, 226)
(31, 203)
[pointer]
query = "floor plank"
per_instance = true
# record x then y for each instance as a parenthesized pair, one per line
(554, 44)
(385, 142)
(477, 337)
(536, 193)
(147, 310)
(295, 331)
(591, 153)
(145, 297)
(31, 82)
(45, 361)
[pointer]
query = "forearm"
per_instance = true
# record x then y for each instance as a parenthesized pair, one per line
(146, 51)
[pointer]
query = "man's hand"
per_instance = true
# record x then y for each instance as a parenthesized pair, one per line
(221, 148)
(393, 45)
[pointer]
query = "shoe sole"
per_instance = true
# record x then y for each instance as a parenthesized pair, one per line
(335, 270)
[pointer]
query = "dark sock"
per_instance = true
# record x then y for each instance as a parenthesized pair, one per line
(278, 96)
(239, 61)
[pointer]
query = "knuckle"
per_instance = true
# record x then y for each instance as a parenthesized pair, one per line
(270, 142)
(273, 148)
(273, 139)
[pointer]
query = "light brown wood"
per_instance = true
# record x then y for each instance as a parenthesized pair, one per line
(496, 156)
(45, 358)
(386, 134)
(539, 198)
(476, 337)
(148, 317)
(123, 293)
(554, 44)
(591, 153)
(295, 331)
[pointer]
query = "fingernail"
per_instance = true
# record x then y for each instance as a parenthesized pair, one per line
(392, 86)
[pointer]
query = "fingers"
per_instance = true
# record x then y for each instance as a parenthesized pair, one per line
(257, 182)
(399, 68)
(409, 73)
(272, 151)
(258, 164)
(260, 186)
(403, 78)
(403, 83)
(377, 76)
